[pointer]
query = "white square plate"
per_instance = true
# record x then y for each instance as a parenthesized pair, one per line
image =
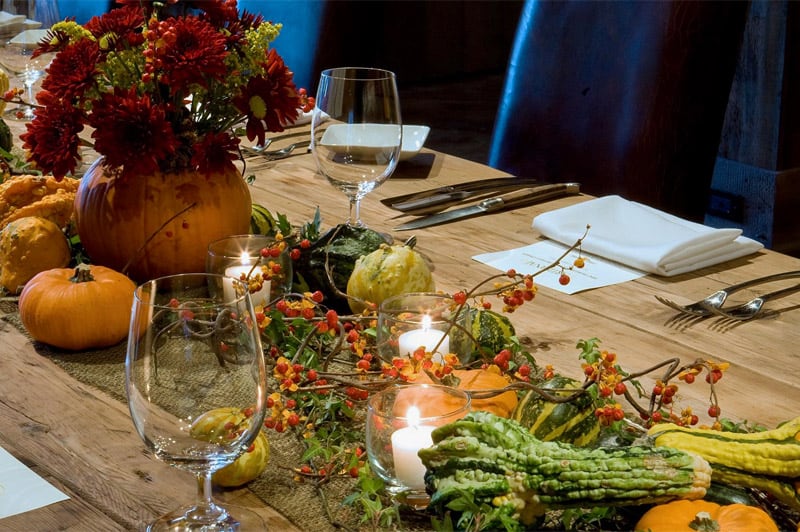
(371, 137)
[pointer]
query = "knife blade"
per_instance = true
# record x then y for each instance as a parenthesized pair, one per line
(440, 202)
(480, 184)
(495, 204)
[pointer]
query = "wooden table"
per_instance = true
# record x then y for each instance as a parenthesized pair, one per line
(82, 441)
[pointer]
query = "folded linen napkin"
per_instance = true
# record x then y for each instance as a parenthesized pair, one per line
(643, 237)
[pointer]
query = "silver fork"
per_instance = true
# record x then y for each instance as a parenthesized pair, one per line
(705, 306)
(753, 308)
(281, 153)
(261, 148)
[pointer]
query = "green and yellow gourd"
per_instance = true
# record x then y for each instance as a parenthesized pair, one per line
(502, 465)
(261, 221)
(385, 272)
(768, 461)
(490, 332)
(571, 422)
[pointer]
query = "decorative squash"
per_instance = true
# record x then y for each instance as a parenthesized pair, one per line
(388, 271)
(4, 85)
(261, 221)
(571, 422)
(489, 329)
(218, 423)
(159, 224)
(34, 195)
(700, 516)
(479, 379)
(85, 308)
(28, 246)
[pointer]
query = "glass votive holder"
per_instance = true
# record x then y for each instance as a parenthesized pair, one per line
(407, 322)
(400, 420)
(261, 260)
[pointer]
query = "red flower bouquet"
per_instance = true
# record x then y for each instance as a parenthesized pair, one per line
(160, 91)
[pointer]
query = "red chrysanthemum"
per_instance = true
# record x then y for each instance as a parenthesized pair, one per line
(52, 137)
(215, 152)
(269, 102)
(119, 28)
(193, 52)
(72, 71)
(132, 132)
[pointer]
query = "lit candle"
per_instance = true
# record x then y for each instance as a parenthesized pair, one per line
(406, 443)
(425, 337)
(259, 298)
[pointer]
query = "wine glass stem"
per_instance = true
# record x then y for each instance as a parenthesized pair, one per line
(355, 212)
(205, 509)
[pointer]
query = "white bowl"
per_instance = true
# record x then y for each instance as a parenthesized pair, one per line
(369, 138)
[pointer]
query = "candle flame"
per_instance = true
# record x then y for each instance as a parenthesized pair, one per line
(413, 416)
(244, 258)
(426, 322)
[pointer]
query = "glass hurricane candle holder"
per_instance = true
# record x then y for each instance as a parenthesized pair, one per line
(409, 321)
(261, 260)
(400, 420)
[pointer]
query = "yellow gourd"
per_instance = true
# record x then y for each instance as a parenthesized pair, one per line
(28, 246)
(250, 464)
(388, 271)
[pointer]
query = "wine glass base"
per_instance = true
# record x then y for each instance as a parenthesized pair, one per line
(232, 518)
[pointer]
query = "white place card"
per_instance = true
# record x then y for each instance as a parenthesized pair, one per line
(22, 490)
(596, 272)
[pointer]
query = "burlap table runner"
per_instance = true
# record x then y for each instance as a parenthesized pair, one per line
(301, 503)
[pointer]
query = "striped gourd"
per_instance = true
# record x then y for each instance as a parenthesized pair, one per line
(261, 221)
(767, 460)
(571, 422)
(489, 329)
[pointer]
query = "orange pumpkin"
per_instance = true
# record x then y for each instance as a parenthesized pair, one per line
(88, 307)
(482, 379)
(159, 224)
(699, 516)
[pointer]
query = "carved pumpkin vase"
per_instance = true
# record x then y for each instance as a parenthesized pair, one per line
(159, 224)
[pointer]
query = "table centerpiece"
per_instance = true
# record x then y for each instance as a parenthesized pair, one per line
(328, 366)
(162, 87)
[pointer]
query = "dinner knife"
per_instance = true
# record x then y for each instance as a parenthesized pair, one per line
(480, 184)
(439, 202)
(495, 204)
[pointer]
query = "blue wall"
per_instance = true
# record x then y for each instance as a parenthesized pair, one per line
(298, 40)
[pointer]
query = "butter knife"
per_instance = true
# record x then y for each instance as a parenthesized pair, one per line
(495, 204)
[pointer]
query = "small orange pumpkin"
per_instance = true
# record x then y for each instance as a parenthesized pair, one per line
(82, 308)
(482, 379)
(699, 516)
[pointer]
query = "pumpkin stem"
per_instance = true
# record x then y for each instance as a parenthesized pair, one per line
(703, 522)
(83, 274)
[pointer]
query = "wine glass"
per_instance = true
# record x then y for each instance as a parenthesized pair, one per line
(356, 131)
(16, 54)
(194, 361)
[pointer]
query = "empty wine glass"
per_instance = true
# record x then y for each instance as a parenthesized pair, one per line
(195, 362)
(16, 54)
(356, 131)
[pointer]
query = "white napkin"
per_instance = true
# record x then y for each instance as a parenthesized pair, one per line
(643, 237)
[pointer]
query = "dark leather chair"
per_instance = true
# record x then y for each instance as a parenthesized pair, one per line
(624, 97)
